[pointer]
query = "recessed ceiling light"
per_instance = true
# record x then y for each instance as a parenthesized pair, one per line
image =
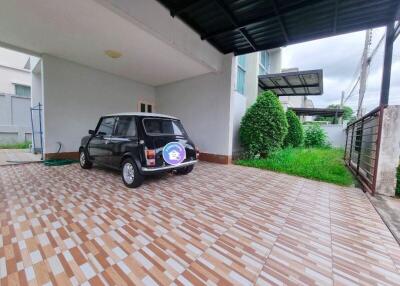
(113, 54)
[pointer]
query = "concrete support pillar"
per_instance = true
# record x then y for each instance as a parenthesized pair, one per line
(389, 153)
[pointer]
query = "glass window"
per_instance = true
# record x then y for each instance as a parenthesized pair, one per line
(107, 126)
(264, 63)
(23, 90)
(126, 127)
(241, 74)
(145, 107)
(163, 127)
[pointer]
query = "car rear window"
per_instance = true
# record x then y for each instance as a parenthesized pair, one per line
(157, 126)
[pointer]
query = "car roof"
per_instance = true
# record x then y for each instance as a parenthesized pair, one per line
(143, 114)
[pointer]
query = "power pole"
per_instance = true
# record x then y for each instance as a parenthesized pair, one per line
(364, 71)
(341, 107)
(342, 100)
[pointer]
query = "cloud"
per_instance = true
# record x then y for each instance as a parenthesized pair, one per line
(339, 57)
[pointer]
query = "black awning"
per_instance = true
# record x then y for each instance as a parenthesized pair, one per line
(243, 26)
(297, 83)
(317, 111)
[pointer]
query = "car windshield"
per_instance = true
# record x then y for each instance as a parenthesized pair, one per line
(160, 126)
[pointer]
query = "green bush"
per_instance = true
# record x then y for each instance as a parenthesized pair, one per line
(264, 126)
(295, 135)
(398, 182)
(315, 136)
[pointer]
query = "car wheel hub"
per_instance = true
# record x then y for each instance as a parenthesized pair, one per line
(128, 173)
(82, 159)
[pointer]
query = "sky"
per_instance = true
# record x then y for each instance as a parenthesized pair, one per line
(339, 58)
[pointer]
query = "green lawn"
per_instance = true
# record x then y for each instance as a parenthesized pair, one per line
(23, 145)
(320, 164)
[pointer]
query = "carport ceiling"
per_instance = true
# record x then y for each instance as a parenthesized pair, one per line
(243, 26)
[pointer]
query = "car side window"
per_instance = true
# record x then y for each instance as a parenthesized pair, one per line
(126, 127)
(107, 126)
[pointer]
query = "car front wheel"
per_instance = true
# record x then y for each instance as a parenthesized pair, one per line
(130, 174)
(84, 160)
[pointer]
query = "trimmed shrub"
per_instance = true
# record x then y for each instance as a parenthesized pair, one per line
(315, 136)
(295, 135)
(264, 126)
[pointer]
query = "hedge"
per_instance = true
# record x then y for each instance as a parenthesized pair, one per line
(264, 126)
(295, 135)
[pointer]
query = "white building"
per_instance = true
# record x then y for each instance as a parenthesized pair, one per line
(15, 97)
(109, 56)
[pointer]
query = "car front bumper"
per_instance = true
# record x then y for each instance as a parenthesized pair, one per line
(153, 170)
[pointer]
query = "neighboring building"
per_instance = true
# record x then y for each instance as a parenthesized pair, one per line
(15, 97)
(246, 89)
(246, 70)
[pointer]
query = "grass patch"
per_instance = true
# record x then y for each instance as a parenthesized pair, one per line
(23, 145)
(322, 164)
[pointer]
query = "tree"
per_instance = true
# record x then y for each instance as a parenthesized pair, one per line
(347, 115)
(264, 126)
(295, 135)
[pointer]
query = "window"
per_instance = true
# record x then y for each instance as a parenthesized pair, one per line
(125, 127)
(263, 66)
(163, 127)
(145, 107)
(22, 90)
(107, 125)
(241, 74)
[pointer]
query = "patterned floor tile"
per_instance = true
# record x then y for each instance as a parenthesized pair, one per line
(220, 225)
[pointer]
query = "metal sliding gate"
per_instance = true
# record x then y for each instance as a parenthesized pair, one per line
(363, 138)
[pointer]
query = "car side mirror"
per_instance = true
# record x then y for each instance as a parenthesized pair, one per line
(91, 132)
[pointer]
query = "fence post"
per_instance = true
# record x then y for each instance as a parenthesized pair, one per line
(347, 141)
(351, 143)
(378, 147)
(33, 133)
(40, 130)
(360, 147)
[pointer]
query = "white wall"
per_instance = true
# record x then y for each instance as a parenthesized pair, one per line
(14, 118)
(336, 134)
(76, 96)
(37, 97)
(275, 63)
(9, 76)
(203, 104)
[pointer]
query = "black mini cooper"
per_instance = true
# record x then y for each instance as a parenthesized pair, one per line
(139, 144)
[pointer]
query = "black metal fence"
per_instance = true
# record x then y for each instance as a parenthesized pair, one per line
(362, 147)
(37, 129)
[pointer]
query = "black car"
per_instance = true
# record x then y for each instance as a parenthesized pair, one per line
(139, 144)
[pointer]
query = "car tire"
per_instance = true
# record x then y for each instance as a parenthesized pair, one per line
(84, 160)
(130, 174)
(185, 170)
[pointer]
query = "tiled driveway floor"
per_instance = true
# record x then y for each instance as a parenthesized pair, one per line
(219, 225)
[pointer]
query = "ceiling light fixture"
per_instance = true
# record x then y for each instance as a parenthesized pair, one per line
(113, 54)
